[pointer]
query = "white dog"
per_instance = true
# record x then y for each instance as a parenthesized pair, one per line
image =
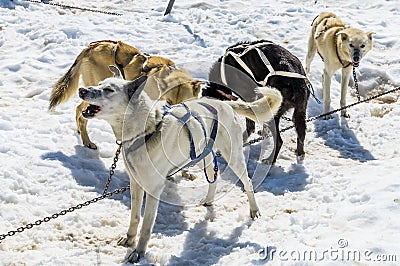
(155, 145)
(339, 46)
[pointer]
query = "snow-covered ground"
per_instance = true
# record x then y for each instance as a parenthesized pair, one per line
(341, 202)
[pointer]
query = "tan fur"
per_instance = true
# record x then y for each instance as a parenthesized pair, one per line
(177, 85)
(340, 47)
(92, 65)
(255, 111)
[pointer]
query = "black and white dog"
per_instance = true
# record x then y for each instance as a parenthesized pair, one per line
(248, 65)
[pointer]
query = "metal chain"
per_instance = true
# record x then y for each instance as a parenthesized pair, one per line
(356, 84)
(63, 212)
(113, 166)
(47, 2)
(253, 141)
(79, 206)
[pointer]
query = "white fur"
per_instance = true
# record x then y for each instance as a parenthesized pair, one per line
(168, 148)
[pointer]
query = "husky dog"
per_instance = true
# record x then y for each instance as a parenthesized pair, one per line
(339, 46)
(247, 65)
(92, 64)
(154, 145)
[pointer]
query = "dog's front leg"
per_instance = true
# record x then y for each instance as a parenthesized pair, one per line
(326, 91)
(150, 212)
(136, 206)
(345, 83)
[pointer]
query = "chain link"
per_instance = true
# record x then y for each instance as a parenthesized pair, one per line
(47, 2)
(63, 212)
(356, 84)
(113, 166)
(253, 141)
(79, 206)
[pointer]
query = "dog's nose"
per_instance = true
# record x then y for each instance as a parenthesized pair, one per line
(82, 92)
(356, 55)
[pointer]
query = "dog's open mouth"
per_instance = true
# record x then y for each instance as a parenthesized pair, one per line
(356, 63)
(91, 111)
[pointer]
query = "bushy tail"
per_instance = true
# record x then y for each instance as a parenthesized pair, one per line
(261, 110)
(68, 84)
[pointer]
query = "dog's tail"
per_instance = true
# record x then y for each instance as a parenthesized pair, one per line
(261, 110)
(68, 84)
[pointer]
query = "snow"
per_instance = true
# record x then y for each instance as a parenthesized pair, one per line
(344, 196)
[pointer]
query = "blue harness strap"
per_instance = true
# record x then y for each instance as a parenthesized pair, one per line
(184, 119)
(208, 149)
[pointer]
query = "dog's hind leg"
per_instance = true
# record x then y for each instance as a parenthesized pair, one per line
(81, 124)
(238, 166)
(277, 139)
(346, 72)
(136, 206)
(299, 119)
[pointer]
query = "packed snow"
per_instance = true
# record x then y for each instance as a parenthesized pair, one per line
(340, 205)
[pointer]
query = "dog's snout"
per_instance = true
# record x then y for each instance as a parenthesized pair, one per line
(82, 92)
(356, 55)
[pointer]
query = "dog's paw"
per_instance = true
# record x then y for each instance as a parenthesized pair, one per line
(128, 241)
(300, 158)
(185, 173)
(206, 202)
(91, 145)
(255, 214)
(135, 256)
(345, 114)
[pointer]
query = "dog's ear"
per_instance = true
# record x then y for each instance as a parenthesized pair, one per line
(342, 35)
(369, 34)
(196, 85)
(115, 71)
(135, 87)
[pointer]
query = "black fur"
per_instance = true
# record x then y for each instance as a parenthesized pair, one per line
(294, 90)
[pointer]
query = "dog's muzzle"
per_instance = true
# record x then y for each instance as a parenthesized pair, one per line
(356, 58)
(83, 92)
(92, 109)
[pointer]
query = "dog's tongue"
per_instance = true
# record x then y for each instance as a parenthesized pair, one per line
(91, 110)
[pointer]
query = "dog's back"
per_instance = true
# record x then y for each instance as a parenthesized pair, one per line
(92, 64)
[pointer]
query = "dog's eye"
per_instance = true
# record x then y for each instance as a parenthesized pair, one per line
(362, 46)
(351, 45)
(108, 89)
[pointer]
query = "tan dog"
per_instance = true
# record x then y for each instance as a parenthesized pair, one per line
(93, 65)
(339, 46)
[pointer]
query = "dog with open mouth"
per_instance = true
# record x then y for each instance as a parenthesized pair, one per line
(340, 47)
(157, 143)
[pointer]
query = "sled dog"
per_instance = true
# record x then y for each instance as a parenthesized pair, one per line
(247, 65)
(339, 46)
(154, 145)
(92, 64)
